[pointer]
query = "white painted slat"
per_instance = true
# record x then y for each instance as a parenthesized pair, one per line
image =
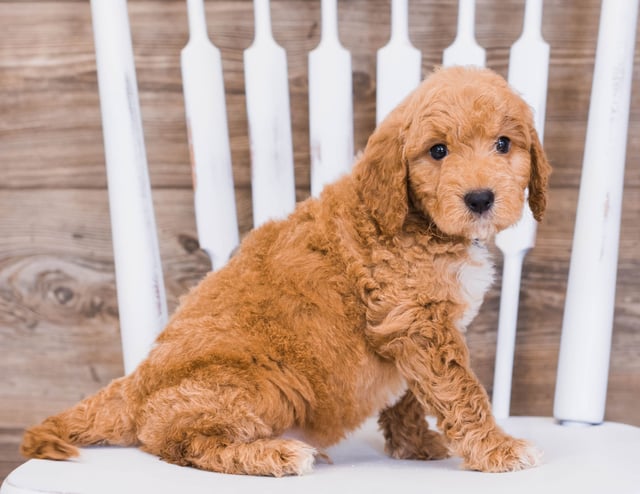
(141, 296)
(330, 104)
(528, 74)
(267, 90)
(398, 63)
(205, 107)
(585, 346)
(465, 50)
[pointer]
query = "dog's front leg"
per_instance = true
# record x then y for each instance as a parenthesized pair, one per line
(432, 356)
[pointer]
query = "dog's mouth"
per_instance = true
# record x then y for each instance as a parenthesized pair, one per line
(476, 225)
(482, 228)
(485, 214)
(472, 226)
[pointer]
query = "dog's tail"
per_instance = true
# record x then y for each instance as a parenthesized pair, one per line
(104, 418)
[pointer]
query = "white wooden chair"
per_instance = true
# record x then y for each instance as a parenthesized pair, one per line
(582, 454)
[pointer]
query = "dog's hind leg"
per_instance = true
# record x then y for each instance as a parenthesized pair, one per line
(223, 428)
(272, 456)
(407, 434)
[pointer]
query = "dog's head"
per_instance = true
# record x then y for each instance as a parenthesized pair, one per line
(460, 150)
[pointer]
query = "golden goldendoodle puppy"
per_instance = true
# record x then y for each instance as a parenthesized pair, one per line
(357, 298)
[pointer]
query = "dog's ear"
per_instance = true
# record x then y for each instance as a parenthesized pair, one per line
(381, 174)
(539, 179)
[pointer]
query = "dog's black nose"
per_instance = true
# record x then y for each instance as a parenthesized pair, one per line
(479, 201)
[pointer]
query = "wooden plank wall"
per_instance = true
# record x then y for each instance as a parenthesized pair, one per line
(59, 338)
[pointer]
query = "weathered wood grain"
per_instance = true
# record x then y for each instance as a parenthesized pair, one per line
(59, 336)
(9, 456)
(58, 310)
(51, 91)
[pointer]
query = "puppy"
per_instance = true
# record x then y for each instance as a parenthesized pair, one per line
(357, 298)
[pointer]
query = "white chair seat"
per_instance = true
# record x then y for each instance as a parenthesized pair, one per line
(599, 459)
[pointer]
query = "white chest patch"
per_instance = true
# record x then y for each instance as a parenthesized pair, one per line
(475, 276)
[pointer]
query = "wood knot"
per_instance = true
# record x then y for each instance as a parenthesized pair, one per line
(63, 294)
(189, 243)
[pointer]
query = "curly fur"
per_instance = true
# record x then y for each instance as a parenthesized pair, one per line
(321, 319)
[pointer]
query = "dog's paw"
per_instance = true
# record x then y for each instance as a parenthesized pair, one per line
(283, 457)
(295, 458)
(429, 445)
(505, 454)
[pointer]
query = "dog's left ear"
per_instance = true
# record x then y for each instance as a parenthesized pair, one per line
(539, 179)
(381, 174)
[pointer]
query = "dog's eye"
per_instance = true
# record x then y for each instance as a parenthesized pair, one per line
(503, 145)
(438, 152)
